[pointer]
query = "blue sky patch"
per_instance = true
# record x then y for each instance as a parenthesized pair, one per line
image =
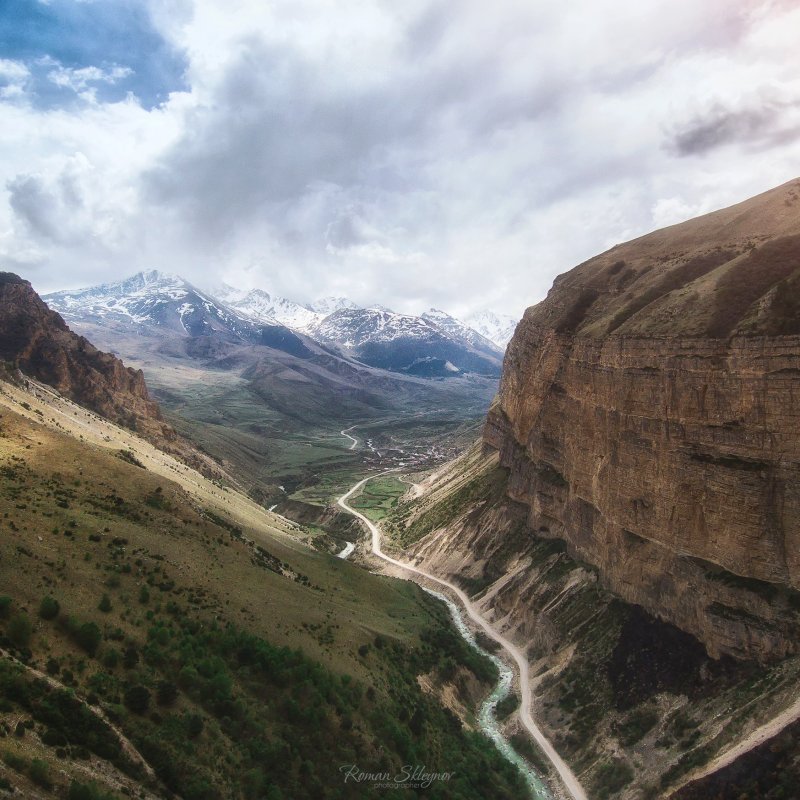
(109, 47)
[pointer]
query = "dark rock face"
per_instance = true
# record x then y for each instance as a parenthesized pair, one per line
(38, 342)
(655, 430)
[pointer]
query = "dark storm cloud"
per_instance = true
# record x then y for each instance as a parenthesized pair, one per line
(280, 129)
(722, 126)
(269, 136)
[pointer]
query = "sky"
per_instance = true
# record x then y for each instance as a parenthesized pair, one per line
(455, 154)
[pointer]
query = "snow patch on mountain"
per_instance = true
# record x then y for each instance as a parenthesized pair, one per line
(327, 305)
(498, 328)
(261, 306)
(457, 329)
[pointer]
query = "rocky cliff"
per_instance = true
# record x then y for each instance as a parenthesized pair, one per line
(38, 342)
(648, 414)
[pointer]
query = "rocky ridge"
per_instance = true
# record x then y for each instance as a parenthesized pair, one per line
(37, 342)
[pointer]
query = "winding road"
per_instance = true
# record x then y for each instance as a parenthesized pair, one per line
(568, 778)
(351, 438)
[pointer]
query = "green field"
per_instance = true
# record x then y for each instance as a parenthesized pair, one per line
(264, 450)
(379, 497)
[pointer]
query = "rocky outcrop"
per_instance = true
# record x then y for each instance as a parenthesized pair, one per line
(37, 341)
(648, 414)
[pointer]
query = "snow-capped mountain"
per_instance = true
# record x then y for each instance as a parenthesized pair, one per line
(166, 302)
(353, 327)
(458, 330)
(406, 343)
(262, 306)
(498, 328)
(327, 305)
(434, 344)
(135, 298)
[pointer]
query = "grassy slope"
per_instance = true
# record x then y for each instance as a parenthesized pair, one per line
(293, 661)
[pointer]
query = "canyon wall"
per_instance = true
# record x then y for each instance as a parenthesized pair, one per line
(670, 465)
(649, 414)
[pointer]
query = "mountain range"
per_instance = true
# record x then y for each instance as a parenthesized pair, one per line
(432, 345)
(261, 305)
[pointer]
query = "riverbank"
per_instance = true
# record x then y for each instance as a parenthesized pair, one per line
(567, 777)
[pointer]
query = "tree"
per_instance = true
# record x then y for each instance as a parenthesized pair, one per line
(194, 725)
(49, 607)
(137, 699)
(20, 629)
(105, 604)
(130, 657)
(88, 637)
(166, 693)
(40, 773)
(5, 606)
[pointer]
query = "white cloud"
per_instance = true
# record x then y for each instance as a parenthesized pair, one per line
(13, 77)
(420, 153)
(79, 79)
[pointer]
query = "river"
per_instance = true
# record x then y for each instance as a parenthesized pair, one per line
(568, 778)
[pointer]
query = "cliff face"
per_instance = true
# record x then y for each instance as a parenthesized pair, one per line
(649, 414)
(38, 342)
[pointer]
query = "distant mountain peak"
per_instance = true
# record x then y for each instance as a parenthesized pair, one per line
(327, 305)
(434, 347)
(498, 328)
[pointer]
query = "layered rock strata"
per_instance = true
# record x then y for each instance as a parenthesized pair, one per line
(649, 414)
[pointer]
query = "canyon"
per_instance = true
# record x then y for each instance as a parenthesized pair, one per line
(629, 517)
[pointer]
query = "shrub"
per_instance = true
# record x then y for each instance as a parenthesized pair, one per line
(128, 455)
(17, 763)
(87, 791)
(40, 773)
(87, 636)
(49, 608)
(5, 606)
(137, 699)
(637, 724)
(105, 604)
(144, 595)
(507, 706)
(20, 629)
(611, 777)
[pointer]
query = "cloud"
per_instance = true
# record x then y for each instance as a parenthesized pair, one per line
(768, 122)
(112, 44)
(79, 80)
(13, 77)
(432, 152)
